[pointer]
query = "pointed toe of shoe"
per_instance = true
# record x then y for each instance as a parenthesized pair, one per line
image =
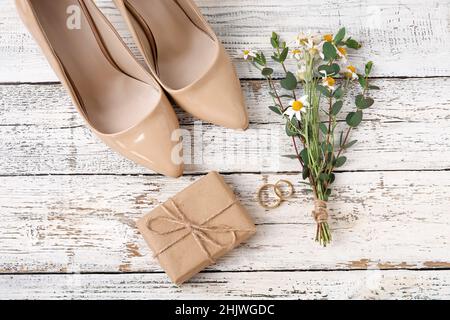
(228, 114)
(217, 97)
(172, 170)
(154, 143)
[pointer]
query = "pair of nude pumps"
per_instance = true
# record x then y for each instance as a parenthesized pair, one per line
(123, 103)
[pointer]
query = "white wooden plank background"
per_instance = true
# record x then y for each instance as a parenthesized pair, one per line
(69, 204)
(224, 285)
(404, 38)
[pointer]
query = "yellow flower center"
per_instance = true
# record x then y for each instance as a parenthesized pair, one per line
(352, 69)
(297, 105)
(328, 37)
(246, 52)
(296, 51)
(303, 40)
(342, 51)
(330, 81)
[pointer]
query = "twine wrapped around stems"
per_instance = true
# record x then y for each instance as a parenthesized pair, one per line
(320, 212)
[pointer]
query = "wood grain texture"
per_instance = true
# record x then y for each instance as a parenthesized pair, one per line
(69, 204)
(403, 38)
(224, 285)
(399, 100)
(86, 223)
(405, 130)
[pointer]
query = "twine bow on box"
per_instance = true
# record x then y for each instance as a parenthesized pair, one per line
(198, 231)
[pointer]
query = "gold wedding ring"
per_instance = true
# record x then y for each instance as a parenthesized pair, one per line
(280, 195)
(264, 204)
(279, 192)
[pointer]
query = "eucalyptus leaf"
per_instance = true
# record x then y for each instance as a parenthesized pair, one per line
(354, 118)
(353, 44)
(304, 156)
(290, 82)
(324, 177)
(363, 102)
(274, 42)
(259, 60)
(350, 144)
(359, 101)
(276, 109)
(290, 129)
(267, 72)
(338, 93)
(329, 51)
(284, 54)
(332, 178)
(337, 106)
(305, 173)
(329, 70)
(362, 80)
(339, 162)
(369, 66)
(323, 128)
(369, 102)
(339, 36)
(263, 58)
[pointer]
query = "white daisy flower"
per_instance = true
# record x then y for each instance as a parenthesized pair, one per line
(297, 107)
(248, 53)
(342, 53)
(328, 82)
(301, 39)
(351, 73)
(296, 54)
(315, 48)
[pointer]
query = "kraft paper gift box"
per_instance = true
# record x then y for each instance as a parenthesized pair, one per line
(197, 226)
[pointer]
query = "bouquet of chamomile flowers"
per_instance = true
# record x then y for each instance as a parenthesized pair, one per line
(310, 103)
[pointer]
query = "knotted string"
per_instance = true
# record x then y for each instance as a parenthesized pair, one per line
(198, 231)
(320, 212)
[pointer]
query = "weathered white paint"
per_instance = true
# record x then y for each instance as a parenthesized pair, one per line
(86, 223)
(405, 130)
(401, 100)
(403, 38)
(224, 285)
(78, 220)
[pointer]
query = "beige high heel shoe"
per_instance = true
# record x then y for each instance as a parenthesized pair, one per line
(185, 56)
(118, 98)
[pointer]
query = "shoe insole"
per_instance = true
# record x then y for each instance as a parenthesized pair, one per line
(184, 52)
(111, 100)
